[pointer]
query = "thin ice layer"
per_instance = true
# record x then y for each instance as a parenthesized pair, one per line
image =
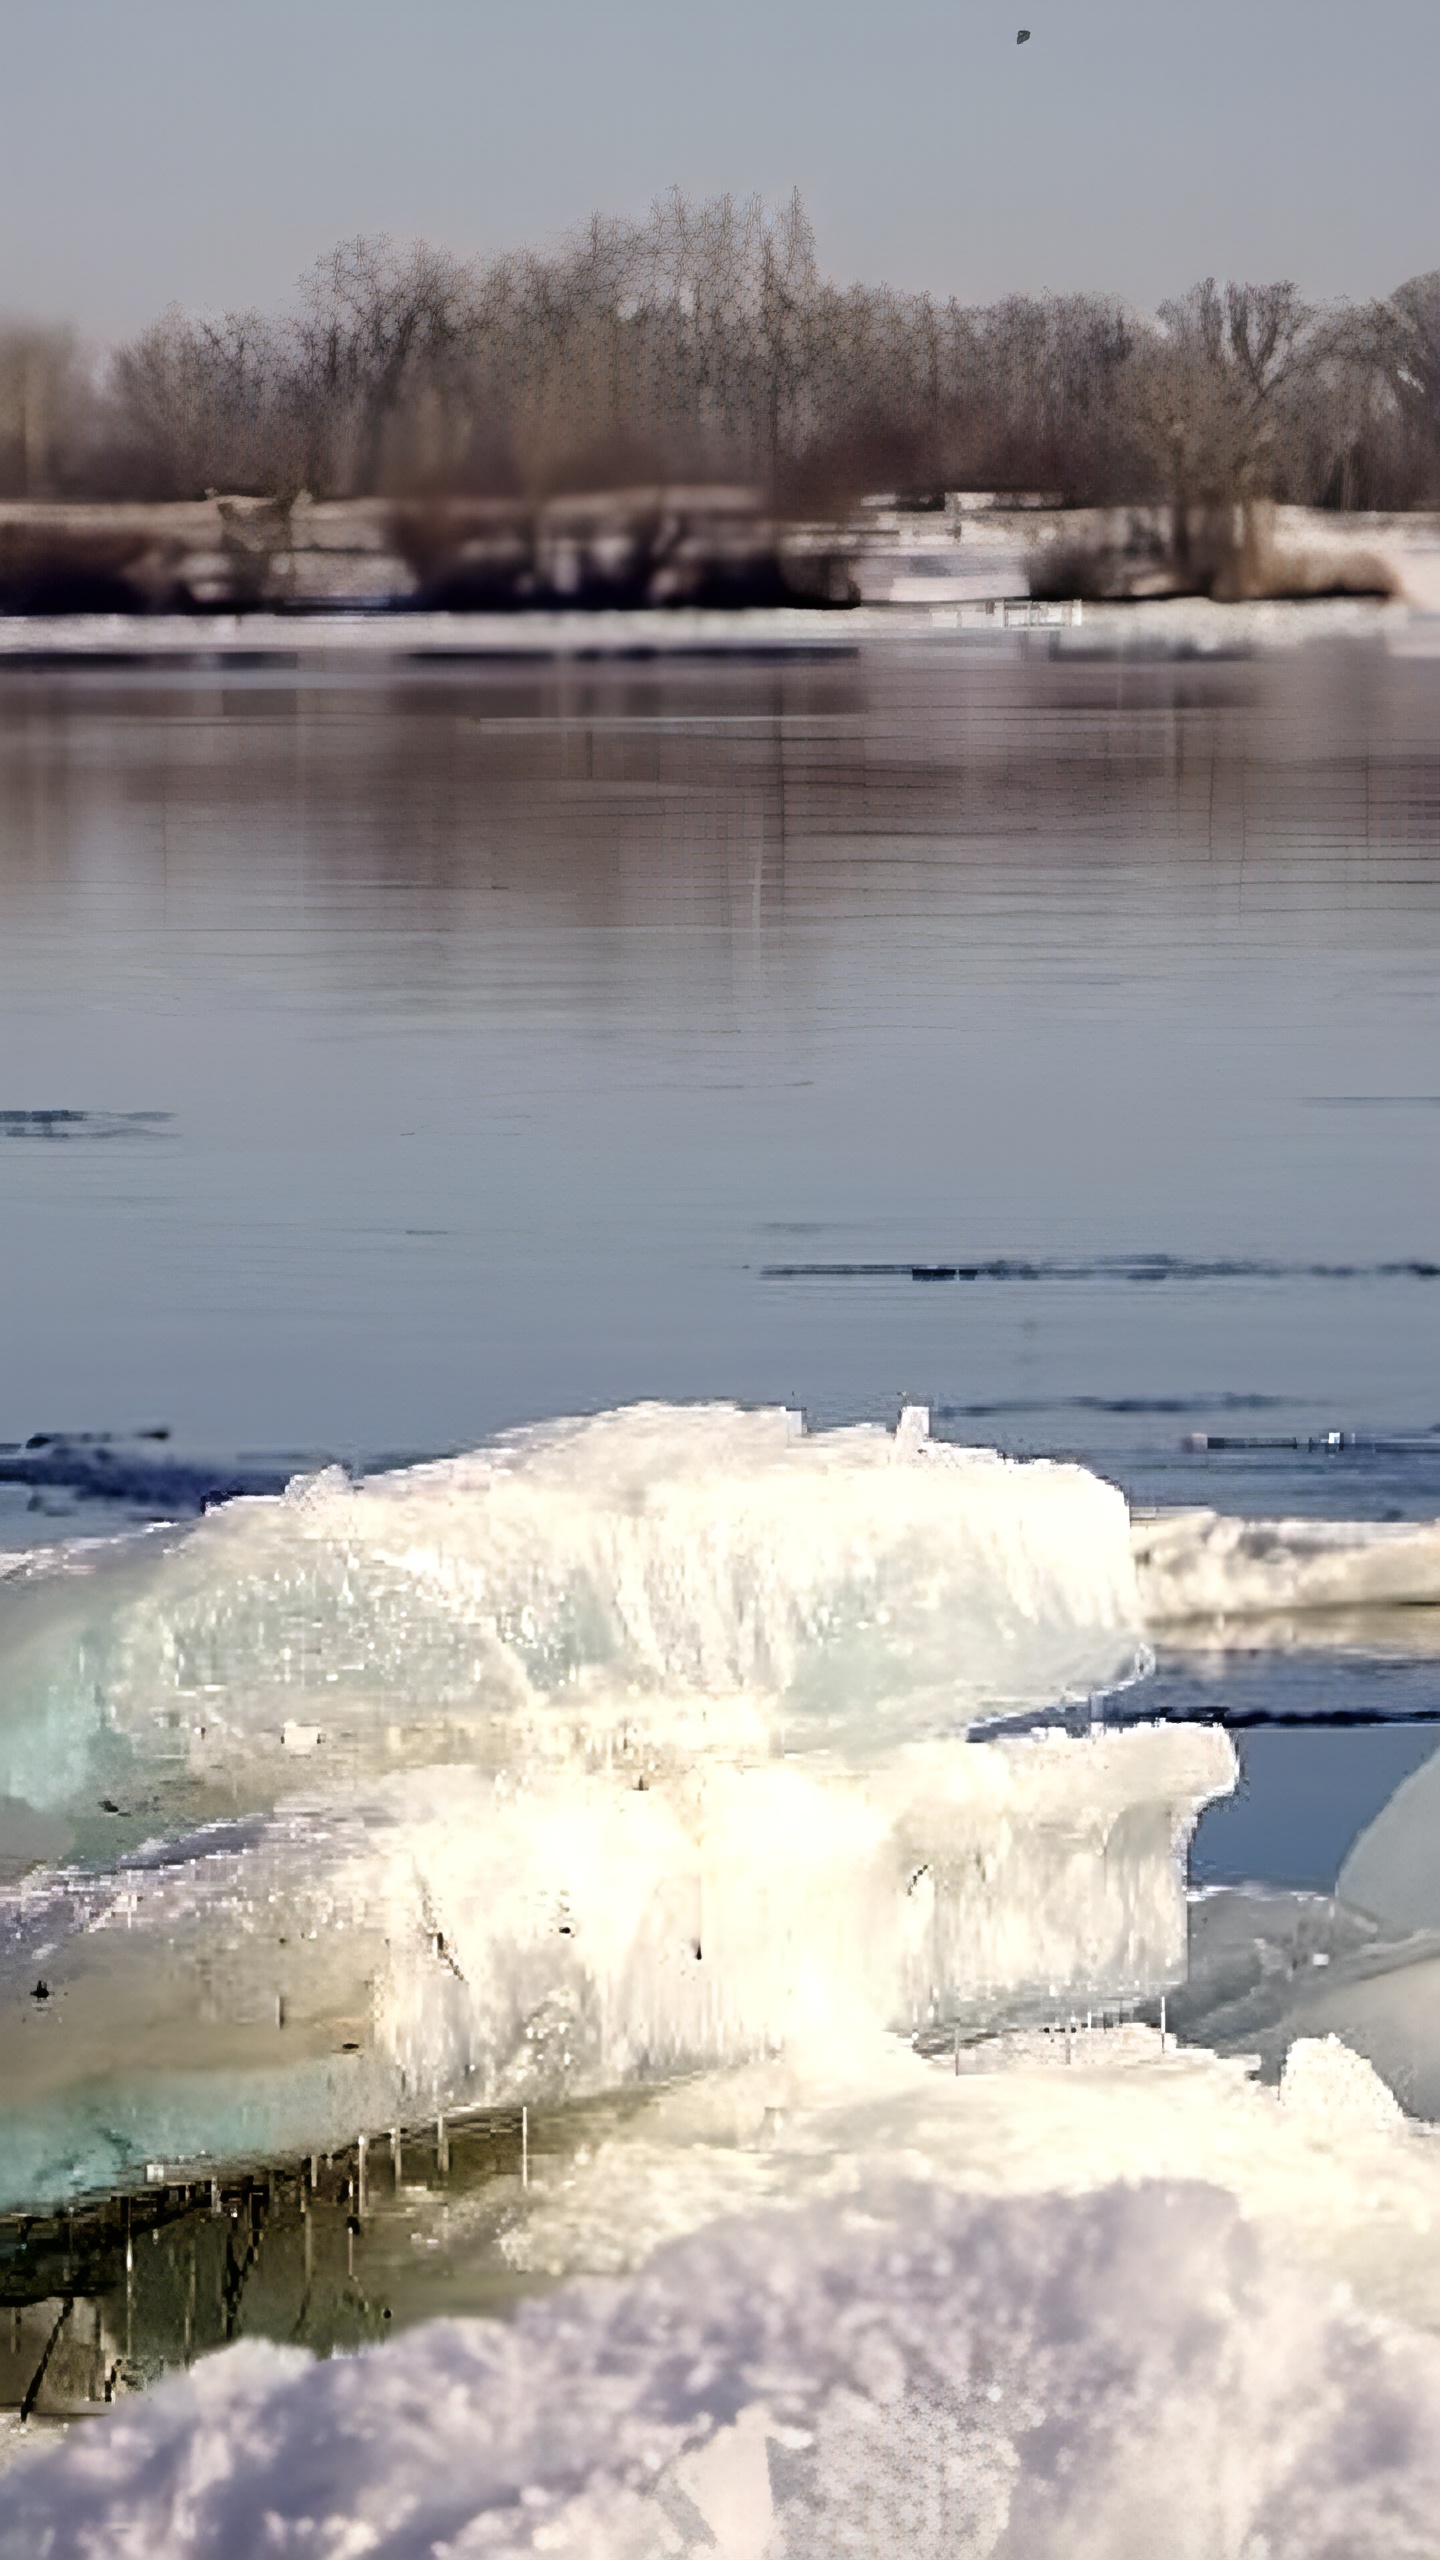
(1204, 1564)
(453, 1938)
(1052, 2379)
(663, 1580)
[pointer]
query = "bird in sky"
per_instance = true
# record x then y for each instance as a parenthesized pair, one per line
(1024, 36)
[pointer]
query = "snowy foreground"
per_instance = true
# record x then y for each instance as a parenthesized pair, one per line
(642, 1751)
(941, 2350)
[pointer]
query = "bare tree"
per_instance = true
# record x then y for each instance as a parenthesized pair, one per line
(375, 325)
(1404, 341)
(702, 340)
(209, 403)
(43, 400)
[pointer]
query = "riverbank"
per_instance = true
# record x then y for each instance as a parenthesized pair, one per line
(667, 554)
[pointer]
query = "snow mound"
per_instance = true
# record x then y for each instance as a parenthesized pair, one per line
(1336, 2090)
(1107, 2378)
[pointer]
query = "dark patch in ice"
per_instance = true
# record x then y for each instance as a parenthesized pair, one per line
(1317, 1444)
(1084, 1719)
(84, 1124)
(1165, 1405)
(230, 1837)
(98, 1468)
(1144, 1269)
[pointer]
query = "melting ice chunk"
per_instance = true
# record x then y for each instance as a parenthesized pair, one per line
(698, 1578)
(451, 1938)
(632, 1743)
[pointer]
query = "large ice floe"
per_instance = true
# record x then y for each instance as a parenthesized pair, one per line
(1269, 1967)
(624, 1746)
(671, 1580)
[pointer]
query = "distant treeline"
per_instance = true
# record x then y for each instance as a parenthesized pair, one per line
(702, 342)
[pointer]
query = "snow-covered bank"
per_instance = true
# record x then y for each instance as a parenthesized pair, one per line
(1166, 627)
(638, 1750)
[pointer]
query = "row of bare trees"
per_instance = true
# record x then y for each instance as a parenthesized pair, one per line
(703, 342)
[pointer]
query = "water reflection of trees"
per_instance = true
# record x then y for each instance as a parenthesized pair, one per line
(727, 796)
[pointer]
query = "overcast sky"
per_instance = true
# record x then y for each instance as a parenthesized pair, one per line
(159, 150)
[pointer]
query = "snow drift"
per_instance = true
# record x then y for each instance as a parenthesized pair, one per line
(1045, 2379)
